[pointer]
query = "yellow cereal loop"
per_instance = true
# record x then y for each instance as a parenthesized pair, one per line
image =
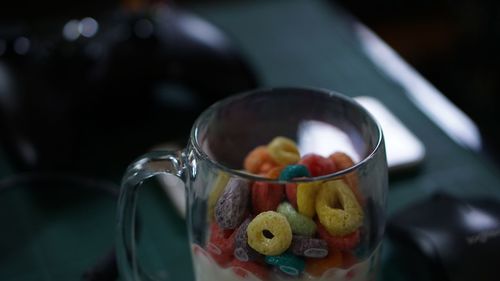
(269, 233)
(217, 190)
(337, 208)
(283, 151)
(306, 198)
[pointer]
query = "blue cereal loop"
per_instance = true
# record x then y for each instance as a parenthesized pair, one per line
(287, 263)
(294, 171)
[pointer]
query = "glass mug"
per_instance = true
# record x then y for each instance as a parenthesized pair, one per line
(247, 225)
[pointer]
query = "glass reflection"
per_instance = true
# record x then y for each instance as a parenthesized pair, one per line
(324, 139)
(479, 220)
(70, 30)
(88, 27)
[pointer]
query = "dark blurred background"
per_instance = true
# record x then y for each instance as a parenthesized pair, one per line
(454, 44)
(87, 86)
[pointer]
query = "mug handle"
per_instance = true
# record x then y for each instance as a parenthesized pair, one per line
(147, 166)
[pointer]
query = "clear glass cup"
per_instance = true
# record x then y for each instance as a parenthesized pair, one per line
(346, 207)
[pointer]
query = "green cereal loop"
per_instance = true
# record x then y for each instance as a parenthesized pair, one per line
(299, 223)
(294, 171)
(283, 151)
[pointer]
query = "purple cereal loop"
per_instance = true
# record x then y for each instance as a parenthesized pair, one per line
(240, 239)
(316, 253)
(232, 205)
(243, 251)
(241, 254)
(309, 247)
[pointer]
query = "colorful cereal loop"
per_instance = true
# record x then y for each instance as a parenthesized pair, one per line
(343, 161)
(269, 233)
(337, 208)
(258, 160)
(299, 223)
(306, 198)
(284, 151)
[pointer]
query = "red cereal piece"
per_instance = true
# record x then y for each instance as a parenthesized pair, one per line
(318, 165)
(291, 194)
(317, 267)
(242, 269)
(221, 244)
(343, 161)
(266, 197)
(346, 242)
(348, 259)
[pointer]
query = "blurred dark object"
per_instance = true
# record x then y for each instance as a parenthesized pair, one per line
(88, 95)
(454, 44)
(51, 207)
(447, 238)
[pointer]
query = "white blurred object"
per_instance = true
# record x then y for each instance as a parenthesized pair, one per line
(403, 149)
(176, 192)
(456, 124)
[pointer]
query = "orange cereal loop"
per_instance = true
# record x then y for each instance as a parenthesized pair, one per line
(317, 267)
(343, 161)
(274, 172)
(266, 167)
(344, 243)
(256, 158)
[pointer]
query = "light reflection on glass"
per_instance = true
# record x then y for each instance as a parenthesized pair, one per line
(423, 94)
(22, 45)
(479, 220)
(200, 29)
(88, 27)
(324, 139)
(432, 237)
(70, 30)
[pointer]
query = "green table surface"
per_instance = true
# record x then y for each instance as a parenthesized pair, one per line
(289, 43)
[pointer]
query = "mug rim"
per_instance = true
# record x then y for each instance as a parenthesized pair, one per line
(193, 137)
